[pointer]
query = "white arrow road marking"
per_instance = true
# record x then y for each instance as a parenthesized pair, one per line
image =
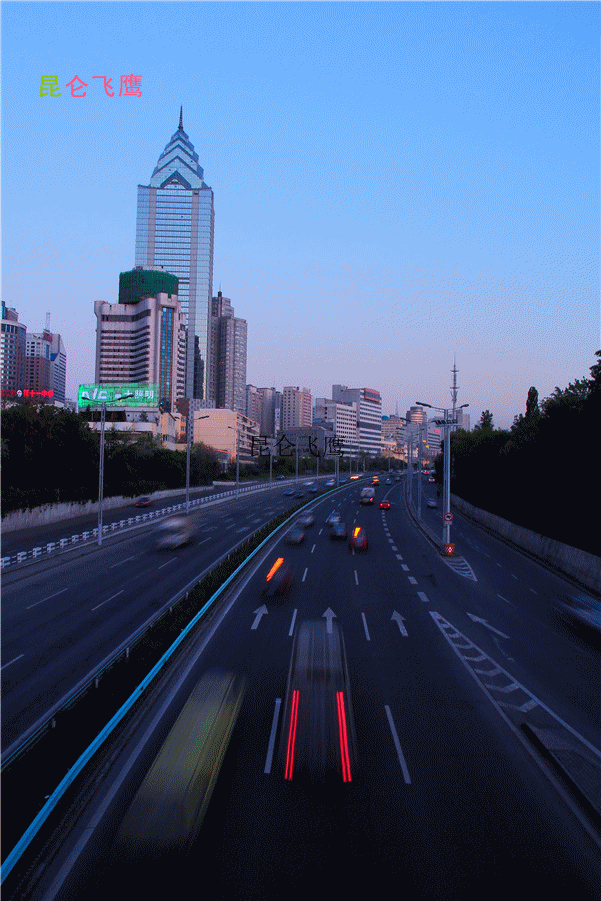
(399, 621)
(478, 619)
(260, 611)
(329, 614)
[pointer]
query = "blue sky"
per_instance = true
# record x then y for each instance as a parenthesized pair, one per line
(395, 183)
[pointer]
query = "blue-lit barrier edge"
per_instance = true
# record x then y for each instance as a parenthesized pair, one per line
(78, 766)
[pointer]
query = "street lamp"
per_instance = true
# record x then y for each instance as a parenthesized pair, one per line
(446, 493)
(188, 442)
(101, 463)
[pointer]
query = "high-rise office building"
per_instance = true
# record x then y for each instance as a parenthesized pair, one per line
(175, 226)
(227, 356)
(12, 352)
(142, 339)
(369, 415)
(58, 368)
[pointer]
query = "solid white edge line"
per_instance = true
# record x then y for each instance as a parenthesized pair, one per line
(397, 745)
(365, 626)
(14, 660)
(292, 623)
(274, 726)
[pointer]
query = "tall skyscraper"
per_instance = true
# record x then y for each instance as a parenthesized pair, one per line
(175, 227)
(227, 356)
(369, 415)
(12, 352)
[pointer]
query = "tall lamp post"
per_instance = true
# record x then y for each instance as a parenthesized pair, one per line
(188, 442)
(446, 492)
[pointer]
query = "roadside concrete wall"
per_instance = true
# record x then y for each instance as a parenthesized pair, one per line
(580, 565)
(24, 519)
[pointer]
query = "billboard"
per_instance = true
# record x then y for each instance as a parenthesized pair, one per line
(128, 395)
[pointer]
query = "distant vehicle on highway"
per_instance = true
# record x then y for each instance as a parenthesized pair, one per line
(367, 496)
(307, 520)
(299, 494)
(144, 502)
(289, 492)
(174, 532)
(431, 503)
(278, 579)
(332, 518)
(330, 483)
(281, 478)
(295, 535)
(338, 531)
(384, 505)
(358, 540)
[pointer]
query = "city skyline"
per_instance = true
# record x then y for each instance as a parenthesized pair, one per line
(405, 197)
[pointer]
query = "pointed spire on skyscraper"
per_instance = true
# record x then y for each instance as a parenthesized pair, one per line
(181, 120)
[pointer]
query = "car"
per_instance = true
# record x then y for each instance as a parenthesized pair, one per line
(397, 478)
(174, 532)
(338, 531)
(307, 520)
(431, 480)
(299, 494)
(375, 482)
(342, 481)
(281, 478)
(330, 483)
(332, 518)
(431, 503)
(367, 496)
(295, 535)
(358, 540)
(313, 489)
(144, 502)
(278, 578)
(384, 505)
(308, 484)
(388, 482)
(289, 492)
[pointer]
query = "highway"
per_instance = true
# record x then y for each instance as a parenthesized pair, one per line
(445, 798)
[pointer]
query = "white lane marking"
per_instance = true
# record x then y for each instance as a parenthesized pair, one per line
(502, 598)
(109, 599)
(398, 556)
(393, 547)
(292, 623)
(320, 531)
(356, 579)
(168, 563)
(412, 580)
(11, 661)
(485, 554)
(305, 574)
(533, 591)
(498, 564)
(260, 611)
(396, 616)
(205, 540)
(313, 548)
(423, 597)
(404, 567)
(274, 726)
(513, 577)
(113, 565)
(46, 599)
(478, 619)
(397, 745)
(365, 626)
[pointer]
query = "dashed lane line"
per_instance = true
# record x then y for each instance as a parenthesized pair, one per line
(423, 597)
(365, 626)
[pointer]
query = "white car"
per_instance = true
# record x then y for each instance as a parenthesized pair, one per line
(431, 503)
(333, 518)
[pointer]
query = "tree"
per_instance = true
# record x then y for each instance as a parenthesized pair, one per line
(532, 410)
(486, 423)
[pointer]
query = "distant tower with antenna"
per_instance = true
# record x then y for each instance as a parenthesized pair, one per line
(454, 386)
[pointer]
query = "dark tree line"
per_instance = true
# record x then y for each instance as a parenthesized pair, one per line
(543, 473)
(50, 455)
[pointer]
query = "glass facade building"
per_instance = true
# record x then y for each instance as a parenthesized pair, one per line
(175, 226)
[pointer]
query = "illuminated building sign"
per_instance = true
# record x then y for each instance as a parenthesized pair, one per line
(128, 395)
(26, 392)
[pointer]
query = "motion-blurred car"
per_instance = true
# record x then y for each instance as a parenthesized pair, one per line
(375, 482)
(278, 579)
(338, 532)
(354, 477)
(318, 734)
(332, 518)
(384, 505)
(289, 492)
(174, 532)
(144, 502)
(168, 808)
(330, 483)
(431, 503)
(358, 540)
(295, 535)
(299, 494)
(307, 520)
(388, 482)
(281, 478)
(342, 480)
